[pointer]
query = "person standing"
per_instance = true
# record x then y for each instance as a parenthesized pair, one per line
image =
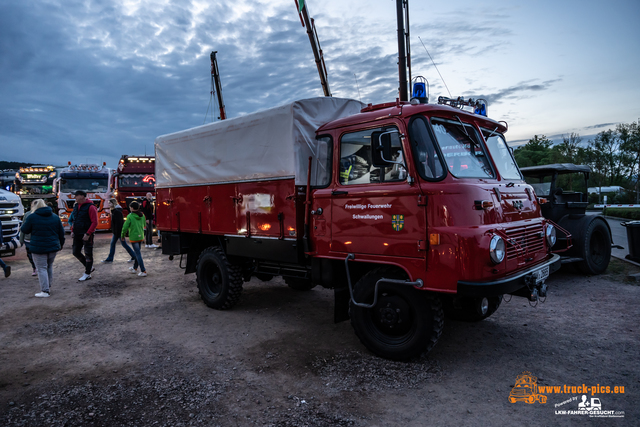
(134, 226)
(147, 210)
(117, 220)
(6, 268)
(83, 232)
(25, 239)
(47, 238)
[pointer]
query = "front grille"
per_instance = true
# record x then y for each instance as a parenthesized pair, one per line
(8, 205)
(524, 240)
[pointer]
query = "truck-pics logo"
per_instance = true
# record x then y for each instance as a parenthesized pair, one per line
(397, 222)
(526, 390)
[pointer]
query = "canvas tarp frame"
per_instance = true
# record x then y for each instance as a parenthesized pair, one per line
(270, 144)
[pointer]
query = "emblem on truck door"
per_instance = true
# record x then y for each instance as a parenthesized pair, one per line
(397, 222)
(518, 204)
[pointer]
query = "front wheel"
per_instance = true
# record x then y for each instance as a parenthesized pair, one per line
(219, 281)
(404, 323)
(596, 248)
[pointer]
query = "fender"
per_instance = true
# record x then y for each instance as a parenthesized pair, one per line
(577, 224)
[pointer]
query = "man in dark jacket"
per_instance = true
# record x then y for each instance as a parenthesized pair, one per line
(82, 232)
(47, 238)
(117, 219)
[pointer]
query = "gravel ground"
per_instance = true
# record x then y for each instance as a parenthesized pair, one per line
(120, 350)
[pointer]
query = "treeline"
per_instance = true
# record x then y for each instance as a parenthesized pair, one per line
(614, 156)
(13, 165)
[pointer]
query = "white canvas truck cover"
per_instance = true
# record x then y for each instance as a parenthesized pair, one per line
(270, 144)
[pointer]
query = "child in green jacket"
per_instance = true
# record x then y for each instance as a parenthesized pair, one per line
(134, 226)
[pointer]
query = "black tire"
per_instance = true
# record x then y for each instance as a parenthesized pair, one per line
(595, 248)
(404, 323)
(299, 284)
(264, 277)
(466, 309)
(219, 281)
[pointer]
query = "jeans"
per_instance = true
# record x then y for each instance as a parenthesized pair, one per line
(44, 266)
(87, 258)
(2, 264)
(138, 261)
(123, 242)
(29, 254)
(148, 233)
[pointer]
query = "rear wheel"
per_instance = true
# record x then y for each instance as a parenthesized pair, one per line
(471, 309)
(299, 284)
(596, 248)
(219, 281)
(404, 322)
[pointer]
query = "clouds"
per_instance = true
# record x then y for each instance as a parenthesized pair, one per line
(95, 79)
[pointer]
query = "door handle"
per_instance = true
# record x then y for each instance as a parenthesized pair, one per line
(338, 193)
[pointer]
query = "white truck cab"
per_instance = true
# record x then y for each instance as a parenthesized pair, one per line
(11, 214)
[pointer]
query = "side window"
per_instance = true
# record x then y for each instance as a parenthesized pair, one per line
(321, 165)
(427, 159)
(356, 160)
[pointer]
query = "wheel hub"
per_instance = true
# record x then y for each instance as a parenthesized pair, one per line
(392, 314)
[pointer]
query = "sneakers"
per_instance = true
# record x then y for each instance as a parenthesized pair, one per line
(142, 274)
(7, 271)
(84, 277)
(133, 270)
(44, 294)
(35, 272)
(131, 260)
(153, 246)
(106, 261)
(146, 246)
(93, 269)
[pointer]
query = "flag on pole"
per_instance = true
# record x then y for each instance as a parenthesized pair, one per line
(300, 5)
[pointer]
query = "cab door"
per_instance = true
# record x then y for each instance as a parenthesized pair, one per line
(376, 210)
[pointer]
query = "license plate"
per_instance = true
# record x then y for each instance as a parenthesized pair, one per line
(542, 274)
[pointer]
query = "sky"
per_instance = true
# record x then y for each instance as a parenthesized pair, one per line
(91, 80)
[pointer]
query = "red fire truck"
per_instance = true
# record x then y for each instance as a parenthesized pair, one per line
(134, 178)
(406, 210)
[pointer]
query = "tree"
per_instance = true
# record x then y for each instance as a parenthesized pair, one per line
(605, 157)
(568, 148)
(535, 152)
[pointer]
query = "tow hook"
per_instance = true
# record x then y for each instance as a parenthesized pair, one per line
(537, 291)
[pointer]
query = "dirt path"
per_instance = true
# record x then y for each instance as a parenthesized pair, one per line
(124, 350)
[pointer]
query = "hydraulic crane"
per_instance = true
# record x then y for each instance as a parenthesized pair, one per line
(315, 44)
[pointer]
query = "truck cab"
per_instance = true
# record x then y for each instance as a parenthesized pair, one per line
(133, 179)
(11, 215)
(36, 182)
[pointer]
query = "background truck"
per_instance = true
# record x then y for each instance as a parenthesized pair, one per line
(404, 209)
(11, 214)
(36, 182)
(133, 179)
(526, 390)
(94, 180)
(558, 187)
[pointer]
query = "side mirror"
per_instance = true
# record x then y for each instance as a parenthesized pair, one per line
(381, 152)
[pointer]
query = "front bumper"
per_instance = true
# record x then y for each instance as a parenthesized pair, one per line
(506, 285)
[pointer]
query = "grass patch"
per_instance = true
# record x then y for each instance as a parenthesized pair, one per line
(620, 270)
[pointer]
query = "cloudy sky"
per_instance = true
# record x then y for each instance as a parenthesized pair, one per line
(90, 80)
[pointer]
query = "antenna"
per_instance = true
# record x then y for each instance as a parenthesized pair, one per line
(355, 77)
(434, 64)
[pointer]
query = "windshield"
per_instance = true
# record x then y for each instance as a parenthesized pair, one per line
(93, 185)
(501, 155)
(36, 189)
(137, 181)
(462, 150)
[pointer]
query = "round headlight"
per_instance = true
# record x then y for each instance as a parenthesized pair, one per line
(497, 249)
(551, 235)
